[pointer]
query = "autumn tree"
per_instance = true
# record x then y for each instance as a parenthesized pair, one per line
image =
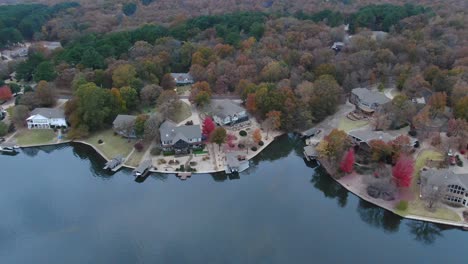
(218, 136)
(20, 113)
(149, 94)
(257, 135)
(5, 93)
(123, 75)
(140, 125)
(168, 82)
(347, 164)
(380, 151)
(168, 102)
(130, 97)
(334, 144)
(403, 171)
(461, 108)
(208, 127)
(200, 93)
(251, 104)
(272, 121)
(437, 102)
(274, 71)
(151, 130)
(45, 94)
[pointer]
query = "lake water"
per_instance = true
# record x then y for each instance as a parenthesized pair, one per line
(58, 206)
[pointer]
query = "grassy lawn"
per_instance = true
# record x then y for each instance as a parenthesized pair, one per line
(425, 156)
(418, 208)
(182, 113)
(10, 111)
(136, 157)
(35, 137)
(347, 125)
(182, 90)
(113, 145)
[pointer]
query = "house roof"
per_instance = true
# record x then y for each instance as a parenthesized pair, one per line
(368, 135)
(49, 112)
(182, 77)
(310, 151)
(370, 97)
(443, 177)
(171, 132)
(123, 119)
(225, 108)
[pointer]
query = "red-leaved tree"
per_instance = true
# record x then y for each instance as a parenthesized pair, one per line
(347, 163)
(403, 171)
(5, 93)
(208, 127)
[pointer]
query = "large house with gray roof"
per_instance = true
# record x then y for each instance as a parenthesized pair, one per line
(227, 112)
(179, 138)
(182, 78)
(124, 125)
(45, 118)
(366, 100)
(451, 188)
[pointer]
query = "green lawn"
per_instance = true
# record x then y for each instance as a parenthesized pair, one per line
(347, 125)
(427, 155)
(417, 207)
(35, 137)
(136, 157)
(113, 145)
(182, 90)
(182, 113)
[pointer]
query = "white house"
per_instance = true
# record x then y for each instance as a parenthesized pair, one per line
(43, 118)
(227, 112)
(182, 78)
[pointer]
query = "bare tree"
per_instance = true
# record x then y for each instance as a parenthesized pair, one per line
(152, 128)
(432, 195)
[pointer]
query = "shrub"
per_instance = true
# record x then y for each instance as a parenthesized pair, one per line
(189, 123)
(241, 146)
(242, 133)
(138, 146)
(168, 153)
(155, 151)
(11, 128)
(402, 205)
(162, 161)
(413, 133)
(254, 148)
(182, 168)
(261, 143)
(459, 161)
(462, 151)
(193, 163)
(100, 141)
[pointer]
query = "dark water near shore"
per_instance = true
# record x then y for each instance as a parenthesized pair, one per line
(58, 206)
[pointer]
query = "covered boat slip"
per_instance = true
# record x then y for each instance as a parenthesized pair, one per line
(236, 162)
(143, 168)
(115, 164)
(8, 147)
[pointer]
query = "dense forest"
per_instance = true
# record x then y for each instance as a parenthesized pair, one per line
(25, 22)
(276, 60)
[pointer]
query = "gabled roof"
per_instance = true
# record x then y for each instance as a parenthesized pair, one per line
(182, 77)
(48, 113)
(121, 120)
(370, 97)
(171, 132)
(225, 108)
(368, 135)
(444, 177)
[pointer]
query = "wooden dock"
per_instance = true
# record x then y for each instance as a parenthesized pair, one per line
(184, 175)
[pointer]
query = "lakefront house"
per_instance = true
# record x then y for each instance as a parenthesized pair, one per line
(182, 78)
(227, 112)
(366, 100)
(451, 188)
(181, 139)
(45, 118)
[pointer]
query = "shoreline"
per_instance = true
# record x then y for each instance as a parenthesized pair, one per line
(381, 204)
(267, 143)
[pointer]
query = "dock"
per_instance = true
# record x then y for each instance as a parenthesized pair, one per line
(236, 162)
(115, 164)
(310, 153)
(184, 175)
(143, 168)
(9, 148)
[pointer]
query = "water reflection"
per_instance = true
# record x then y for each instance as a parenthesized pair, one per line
(426, 232)
(330, 188)
(378, 217)
(97, 162)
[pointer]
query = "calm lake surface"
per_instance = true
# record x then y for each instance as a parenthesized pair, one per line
(58, 206)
